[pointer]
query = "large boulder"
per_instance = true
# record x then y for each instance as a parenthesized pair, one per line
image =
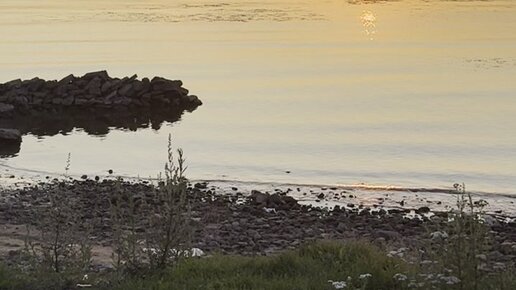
(275, 201)
(10, 135)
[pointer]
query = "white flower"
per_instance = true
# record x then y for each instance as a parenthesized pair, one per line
(151, 250)
(196, 252)
(365, 276)
(399, 277)
(338, 284)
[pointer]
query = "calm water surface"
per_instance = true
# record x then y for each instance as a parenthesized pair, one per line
(407, 93)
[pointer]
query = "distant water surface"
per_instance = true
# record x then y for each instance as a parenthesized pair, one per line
(406, 93)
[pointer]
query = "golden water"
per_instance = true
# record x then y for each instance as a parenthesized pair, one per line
(338, 92)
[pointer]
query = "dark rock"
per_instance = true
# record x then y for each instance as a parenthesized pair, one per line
(13, 84)
(203, 185)
(20, 100)
(423, 210)
(6, 108)
(66, 80)
(388, 235)
(126, 90)
(10, 135)
(259, 198)
(68, 101)
(57, 101)
(94, 87)
(103, 75)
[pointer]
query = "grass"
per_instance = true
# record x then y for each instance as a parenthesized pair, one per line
(357, 265)
(309, 267)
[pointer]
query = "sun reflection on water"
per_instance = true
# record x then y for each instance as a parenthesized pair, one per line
(368, 19)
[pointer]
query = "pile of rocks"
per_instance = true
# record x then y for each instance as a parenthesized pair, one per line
(95, 89)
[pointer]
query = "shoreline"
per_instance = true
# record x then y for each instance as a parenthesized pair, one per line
(363, 195)
(248, 222)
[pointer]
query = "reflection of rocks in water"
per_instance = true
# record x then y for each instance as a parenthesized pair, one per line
(8, 149)
(10, 140)
(92, 121)
(94, 103)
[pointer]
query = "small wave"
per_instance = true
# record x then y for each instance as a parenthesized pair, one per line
(34, 174)
(361, 186)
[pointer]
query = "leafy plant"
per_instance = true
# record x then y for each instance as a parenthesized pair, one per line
(163, 237)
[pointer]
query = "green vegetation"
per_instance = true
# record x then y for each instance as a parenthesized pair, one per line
(319, 265)
(168, 230)
(310, 267)
(357, 264)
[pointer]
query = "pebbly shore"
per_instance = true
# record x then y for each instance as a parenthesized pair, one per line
(249, 223)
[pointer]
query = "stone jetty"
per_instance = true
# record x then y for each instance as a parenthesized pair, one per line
(93, 90)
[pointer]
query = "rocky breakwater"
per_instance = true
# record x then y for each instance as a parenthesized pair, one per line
(93, 90)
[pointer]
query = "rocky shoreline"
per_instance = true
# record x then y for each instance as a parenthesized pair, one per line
(249, 223)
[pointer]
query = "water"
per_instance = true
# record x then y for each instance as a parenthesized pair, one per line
(406, 93)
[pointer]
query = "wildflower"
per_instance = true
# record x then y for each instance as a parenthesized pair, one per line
(399, 277)
(196, 252)
(365, 276)
(338, 284)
